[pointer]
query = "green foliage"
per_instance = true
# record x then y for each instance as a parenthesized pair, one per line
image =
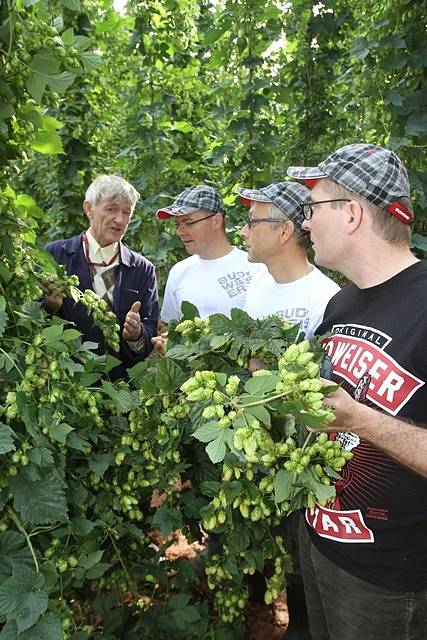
(171, 94)
(209, 101)
(22, 598)
(12, 552)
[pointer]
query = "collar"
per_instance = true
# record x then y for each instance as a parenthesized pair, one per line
(75, 245)
(98, 253)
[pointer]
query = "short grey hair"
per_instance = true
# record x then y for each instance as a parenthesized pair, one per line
(276, 213)
(383, 224)
(111, 187)
(301, 236)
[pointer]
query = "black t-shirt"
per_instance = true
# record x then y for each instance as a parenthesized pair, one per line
(377, 527)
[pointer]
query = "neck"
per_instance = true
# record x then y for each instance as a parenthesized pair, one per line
(288, 268)
(111, 244)
(375, 267)
(100, 243)
(217, 249)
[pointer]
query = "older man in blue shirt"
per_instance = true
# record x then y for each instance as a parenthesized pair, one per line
(123, 278)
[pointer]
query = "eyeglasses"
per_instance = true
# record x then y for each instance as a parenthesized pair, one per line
(188, 223)
(251, 221)
(307, 207)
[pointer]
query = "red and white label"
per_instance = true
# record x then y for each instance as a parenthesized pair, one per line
(341, 526)
(390, 386)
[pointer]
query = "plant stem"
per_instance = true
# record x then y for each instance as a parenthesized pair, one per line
(306, 441)
(121, 562)
(264, 400)
(20, 526)
(13, 362)
(35, 532)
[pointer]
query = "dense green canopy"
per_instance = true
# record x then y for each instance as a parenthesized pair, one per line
(230, 92)
(170, 93)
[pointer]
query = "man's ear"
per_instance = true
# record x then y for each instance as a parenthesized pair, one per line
(288, 230)
(354, 215)
(217, 221)
(87, 208)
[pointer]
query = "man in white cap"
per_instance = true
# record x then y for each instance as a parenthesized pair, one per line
(292, 287)
(363, 558)
(216, 276)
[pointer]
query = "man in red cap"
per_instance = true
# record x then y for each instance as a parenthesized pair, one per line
(363, 558)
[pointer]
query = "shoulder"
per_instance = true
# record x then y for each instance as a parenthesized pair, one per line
(68, 245)
(415, 274)
(261, 277)
(135, 259)
(237, 252)
(183, 265)
(240, 258)
(326, 283)
(238, 255)
(341, 301)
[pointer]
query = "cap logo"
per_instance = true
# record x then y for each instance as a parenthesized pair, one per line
(400, 213)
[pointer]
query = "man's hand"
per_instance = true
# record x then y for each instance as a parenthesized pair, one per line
(346, 410)
(404, 442)
(53, 298)
(160, 342)
(132, 327)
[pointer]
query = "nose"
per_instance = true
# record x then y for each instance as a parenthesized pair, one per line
(121, 217)
(306, 225)
(244, 231)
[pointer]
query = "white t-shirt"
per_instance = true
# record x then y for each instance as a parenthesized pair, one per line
(213, 286)
(303, 300)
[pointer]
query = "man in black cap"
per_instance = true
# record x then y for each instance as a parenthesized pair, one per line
(216, 276)
(363, 558)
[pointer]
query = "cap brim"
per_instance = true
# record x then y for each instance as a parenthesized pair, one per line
(306, 173)
(248, 196)
(172, 212)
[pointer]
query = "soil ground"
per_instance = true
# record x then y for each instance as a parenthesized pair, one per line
(264, 622)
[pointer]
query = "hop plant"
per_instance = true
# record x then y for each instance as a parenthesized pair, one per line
(97, 308)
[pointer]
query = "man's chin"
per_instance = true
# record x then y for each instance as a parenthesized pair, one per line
(116, 236)
(189, 247)
(317, 259)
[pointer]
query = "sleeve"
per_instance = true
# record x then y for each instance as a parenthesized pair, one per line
(149, 313)
(171, 309)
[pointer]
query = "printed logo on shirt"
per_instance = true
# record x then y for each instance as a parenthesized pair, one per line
(377, 513)
(235, 283)
(348, 440)
(341, 526)
(357, 356)
(295, 315)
